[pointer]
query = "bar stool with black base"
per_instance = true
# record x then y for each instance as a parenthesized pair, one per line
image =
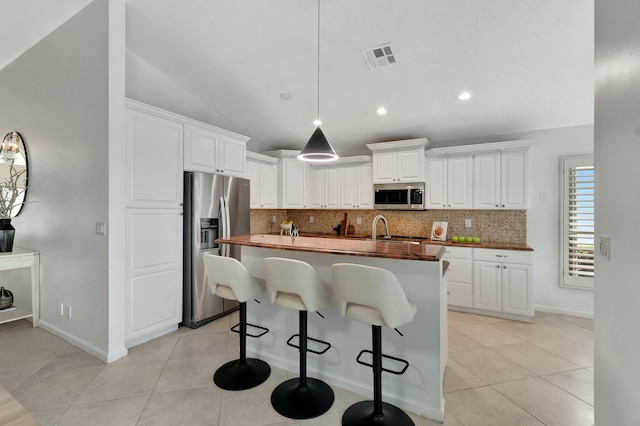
(373, 296)
(229, 279)
(295, 285)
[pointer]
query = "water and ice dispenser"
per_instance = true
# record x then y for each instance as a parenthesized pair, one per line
(208, 233)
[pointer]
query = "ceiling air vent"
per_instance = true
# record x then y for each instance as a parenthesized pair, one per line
(379, 56)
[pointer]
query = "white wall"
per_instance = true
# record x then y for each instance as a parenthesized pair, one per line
(56, 95)
(146, 84)
(617, 152)
(543, 218)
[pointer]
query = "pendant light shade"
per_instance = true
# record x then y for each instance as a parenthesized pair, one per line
(318, 149)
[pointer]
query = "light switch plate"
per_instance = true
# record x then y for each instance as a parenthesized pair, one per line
(467, 223)
(310, 219)
(604, 246)
(101, 228)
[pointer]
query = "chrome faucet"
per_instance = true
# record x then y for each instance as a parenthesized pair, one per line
(375, 223)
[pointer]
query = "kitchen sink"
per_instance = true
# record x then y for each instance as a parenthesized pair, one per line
(400, 239)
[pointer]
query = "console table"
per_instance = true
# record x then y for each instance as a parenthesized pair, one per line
(23, 258)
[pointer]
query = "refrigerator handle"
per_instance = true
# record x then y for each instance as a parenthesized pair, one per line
(223, 225)
(228, 223)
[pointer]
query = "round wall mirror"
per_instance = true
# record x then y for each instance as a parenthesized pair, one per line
(13, 175)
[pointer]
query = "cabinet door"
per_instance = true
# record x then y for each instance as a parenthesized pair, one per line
(231, 157)
(294, 184)
(348, 187)
(384, 167)
(487, 285)
(486, 181)
(364, 187)
(268, 186)
(514, 185)
(436, 183)
(517, 294)
(332, 188)
(316, 188)
(200, 149)
(154, 161)
(153, 296)
(253, 171)
(460, 182)
(410, 166)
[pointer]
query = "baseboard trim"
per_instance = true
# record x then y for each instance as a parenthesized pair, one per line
(571, 312)
(83, 344)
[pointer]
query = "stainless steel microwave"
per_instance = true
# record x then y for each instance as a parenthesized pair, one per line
(399, 196)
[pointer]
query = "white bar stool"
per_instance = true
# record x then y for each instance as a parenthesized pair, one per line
(295, 285)
(229, 279)
(373, 296)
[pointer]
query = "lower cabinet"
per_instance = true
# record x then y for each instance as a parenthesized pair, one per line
(153, 273)
(491, 281)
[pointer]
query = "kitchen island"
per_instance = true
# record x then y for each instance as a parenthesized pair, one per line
(418, 267)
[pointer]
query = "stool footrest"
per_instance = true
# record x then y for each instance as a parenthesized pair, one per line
(396, 372)
(236, 329)
(322, 342)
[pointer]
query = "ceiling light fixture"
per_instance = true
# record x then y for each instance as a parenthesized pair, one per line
(381, 111)
(464, 96)
(318, 149)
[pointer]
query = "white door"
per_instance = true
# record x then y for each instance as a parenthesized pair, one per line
(486, 181)
(364, 187)
(316, 188)
(487, 286)
(294, 184)
(332, 188)
(232, 156)
(154, 161)
(200, 149)
(268, 186)
(253, 171)
(517, 293)
(514, 190)
(460, 182)
(384, 167)
(410, 166)
(436, 183)
(348, 187)
(460, 279)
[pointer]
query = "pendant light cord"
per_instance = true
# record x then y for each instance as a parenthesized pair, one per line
(319, 62)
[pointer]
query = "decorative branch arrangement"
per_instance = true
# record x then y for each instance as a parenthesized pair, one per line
(9, 191)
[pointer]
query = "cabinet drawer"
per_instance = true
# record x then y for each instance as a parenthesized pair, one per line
(457, 252)
(505, 256)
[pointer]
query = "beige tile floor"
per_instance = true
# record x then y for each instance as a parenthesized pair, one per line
(499, 373)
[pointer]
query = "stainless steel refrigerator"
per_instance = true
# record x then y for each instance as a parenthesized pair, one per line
(214, 206)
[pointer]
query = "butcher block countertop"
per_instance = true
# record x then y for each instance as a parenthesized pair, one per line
(346, 246)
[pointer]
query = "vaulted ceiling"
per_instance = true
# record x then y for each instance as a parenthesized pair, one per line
(528, 64)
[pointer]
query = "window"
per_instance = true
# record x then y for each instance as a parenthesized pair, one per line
(577, 233)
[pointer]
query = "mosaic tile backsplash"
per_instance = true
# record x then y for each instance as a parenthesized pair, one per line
(490, 225)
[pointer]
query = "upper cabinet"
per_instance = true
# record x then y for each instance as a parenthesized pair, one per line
(346, 184)
(324, 187)
(356, 187)
(399, 161)
(449, 182)
(212, 150)
(154, 161)
(293, 178)
(263, 175)
(501, 180)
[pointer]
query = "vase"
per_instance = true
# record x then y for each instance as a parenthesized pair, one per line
(6, 298)
(7, 232)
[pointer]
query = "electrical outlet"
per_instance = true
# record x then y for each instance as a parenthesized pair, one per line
(358, 220)
(273, 219)
(467, 223)
(310, 219)
(101, 228)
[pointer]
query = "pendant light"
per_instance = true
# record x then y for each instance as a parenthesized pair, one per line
(318, 149)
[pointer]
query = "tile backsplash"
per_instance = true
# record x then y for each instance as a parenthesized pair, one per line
(489, 225)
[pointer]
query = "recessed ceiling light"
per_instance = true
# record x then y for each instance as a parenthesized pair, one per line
(286, 96)
(317, 122)
(464, 96)
(381, 111)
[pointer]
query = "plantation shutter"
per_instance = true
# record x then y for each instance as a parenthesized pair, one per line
(578, 222)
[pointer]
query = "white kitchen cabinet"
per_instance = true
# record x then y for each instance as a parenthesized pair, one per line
(460, 276)
(449, 182)
(293, 183)
(153, 301)
(501, 180)
(502, 281)
(212, 150)
(154, 147)
(324, 187)
(356, 187)
(262, 171)
(399, 161)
